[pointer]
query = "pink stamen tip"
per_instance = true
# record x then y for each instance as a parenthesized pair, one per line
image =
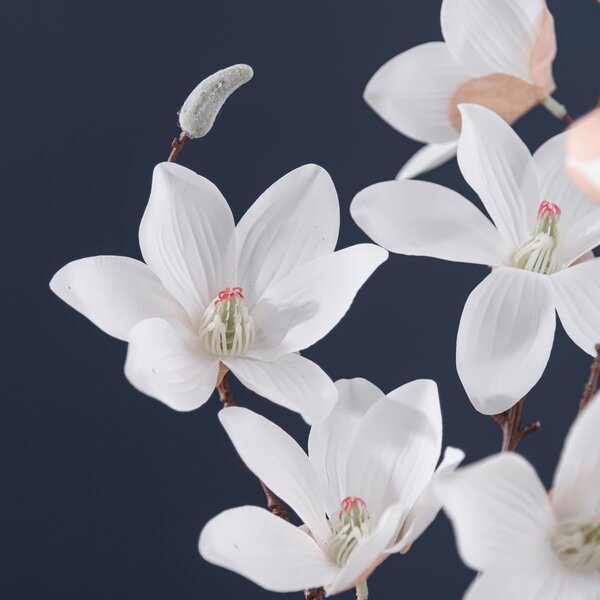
(548, 209)
(229, 293)
(350, 502)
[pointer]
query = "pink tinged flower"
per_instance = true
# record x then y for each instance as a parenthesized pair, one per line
(210, 292)
(525, 544)
(542, 227)
(365, 489)
(495, 53)
(583, 154)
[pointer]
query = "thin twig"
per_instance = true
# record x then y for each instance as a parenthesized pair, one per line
(510, 425)
(177, 145)
(225, 395)
(592, 385)
(314, 594)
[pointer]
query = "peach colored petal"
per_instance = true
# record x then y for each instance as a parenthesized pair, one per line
(583, 258)
(583, 182)
(543, 53)
(506, 95)
(583, 138)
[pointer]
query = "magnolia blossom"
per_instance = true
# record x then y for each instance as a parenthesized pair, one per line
(583, 154)
(210, 293)
(496, 53)
(526, 544)
(370, 468)
(542, 226)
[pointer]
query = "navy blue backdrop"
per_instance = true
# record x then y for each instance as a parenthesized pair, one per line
(104, 491)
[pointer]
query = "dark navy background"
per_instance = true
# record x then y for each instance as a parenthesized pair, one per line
(104, 491)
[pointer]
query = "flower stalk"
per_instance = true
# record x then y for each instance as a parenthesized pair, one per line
(592, 385)
(510, 424)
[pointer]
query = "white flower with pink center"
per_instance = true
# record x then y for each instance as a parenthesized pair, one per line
(365, 489)
(543, 227)
(248, 296)
(495, 53)
(525, 543)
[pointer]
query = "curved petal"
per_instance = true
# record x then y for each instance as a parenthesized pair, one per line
(329, 442)
(486, 36)
(292, 381)
(549, 580)
(580, 217)
(500, 512)
(171, 368)
(428, 504)
(498, 166)
(279, 462)
(427, 158)
(321, 290)
(505, 337)
(295, 220)
(265, 549)
(396, 447)
(576, 489)
(368, 553)
(187, 237)
(577, 290)
(115, 293)
(411, 92)
(425, 219)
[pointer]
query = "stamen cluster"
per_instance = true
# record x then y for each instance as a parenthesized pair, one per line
(353, 524)
(577, 543)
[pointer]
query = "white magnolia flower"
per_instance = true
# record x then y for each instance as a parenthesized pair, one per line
(543, 225)
(583, 154)
(525, 544)
(249, 296)
(371, 468)
(496, 53)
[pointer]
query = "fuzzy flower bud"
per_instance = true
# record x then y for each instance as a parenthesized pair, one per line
(201, 107)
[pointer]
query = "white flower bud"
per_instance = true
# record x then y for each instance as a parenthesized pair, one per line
(201, 107)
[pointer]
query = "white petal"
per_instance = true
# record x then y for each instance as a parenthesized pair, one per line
(427, 158)
(429, 503)
(279, 462)
(171, 368)
(576, 489)
(577, 290)
(549, 581)
(292, 381)
(580, 218)
(187, 237)
(115, 293)
(498, 166)
(396, 447)
(412, 92)
(266, 549)
(295, 220)
(320, 291)
(425, 219)
(500, 512)
(369, 551)
(488, 36)
(505, 337)
(329, 442)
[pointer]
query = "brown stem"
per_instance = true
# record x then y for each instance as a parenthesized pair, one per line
(567, 119)
(274, 504)
(592, 385)
(177, 145)
(510, 425)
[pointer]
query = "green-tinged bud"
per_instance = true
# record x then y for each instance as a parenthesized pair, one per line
(200, 110)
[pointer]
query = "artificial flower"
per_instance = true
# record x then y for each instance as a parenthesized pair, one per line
(525, 543)
(210, 293)
(542, 226)
(583, 154)
(370, 467)
(496, 53)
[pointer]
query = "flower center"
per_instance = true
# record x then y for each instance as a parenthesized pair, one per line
(352, 525)
(577, 543)
(540, 251)
(226, 328)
